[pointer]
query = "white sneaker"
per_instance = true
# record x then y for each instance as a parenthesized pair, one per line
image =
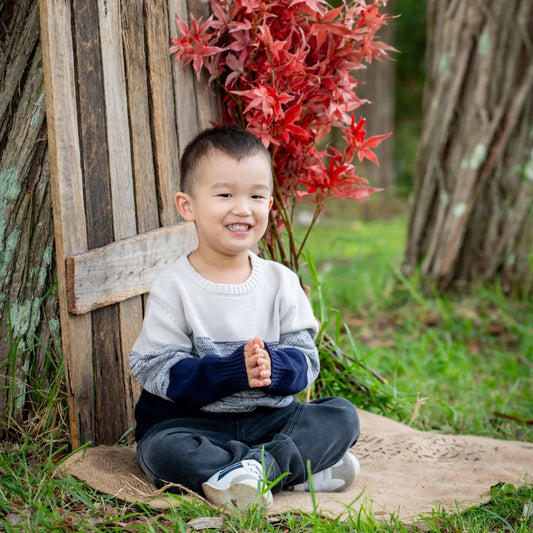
(336, 478)
(239, 485)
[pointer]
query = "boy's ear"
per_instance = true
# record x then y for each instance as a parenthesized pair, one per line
(184, 206)
(270, 202)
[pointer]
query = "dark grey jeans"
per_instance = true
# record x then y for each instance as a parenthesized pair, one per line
(189, 451)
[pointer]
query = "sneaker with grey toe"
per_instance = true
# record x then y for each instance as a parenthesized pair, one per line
(336, 478)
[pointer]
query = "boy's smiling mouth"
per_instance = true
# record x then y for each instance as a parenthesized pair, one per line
(238, 227)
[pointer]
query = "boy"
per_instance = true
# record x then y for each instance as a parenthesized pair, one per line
(228, 339)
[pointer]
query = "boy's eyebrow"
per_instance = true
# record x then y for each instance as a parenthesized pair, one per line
(220, 185)
(225, 184)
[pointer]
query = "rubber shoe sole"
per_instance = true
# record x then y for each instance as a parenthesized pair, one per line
(241, 494)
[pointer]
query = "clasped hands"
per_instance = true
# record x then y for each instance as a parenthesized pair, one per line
(258, 363)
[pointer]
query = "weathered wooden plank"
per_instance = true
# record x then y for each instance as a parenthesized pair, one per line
(207, 104)
(110, 414)
(67, 200)
(139, 115)
(93, 135)
(124, 268)
(120, 168)
(144, 180)
(162, 107)
(109, 382)
(184, 87)
(116, 113)
(131, 317)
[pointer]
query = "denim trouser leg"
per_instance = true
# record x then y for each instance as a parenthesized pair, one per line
(188, 451)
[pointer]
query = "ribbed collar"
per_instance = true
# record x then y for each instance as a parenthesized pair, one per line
(228, 289)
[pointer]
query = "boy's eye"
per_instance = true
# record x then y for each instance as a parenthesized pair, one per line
(258, 197)
(225, 195)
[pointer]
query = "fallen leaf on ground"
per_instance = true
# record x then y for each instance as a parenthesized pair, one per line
(206, 522)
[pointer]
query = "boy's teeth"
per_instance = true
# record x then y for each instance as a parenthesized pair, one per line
(238, 227)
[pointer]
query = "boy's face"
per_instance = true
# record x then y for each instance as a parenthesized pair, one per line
(229, 203)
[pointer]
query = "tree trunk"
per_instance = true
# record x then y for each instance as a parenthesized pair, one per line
(29, 324)
(473, 183)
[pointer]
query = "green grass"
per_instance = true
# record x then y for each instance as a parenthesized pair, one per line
(463, 361)
(451, 364)
(34, 498)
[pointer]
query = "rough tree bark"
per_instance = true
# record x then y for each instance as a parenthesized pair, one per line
(29, 323)
(473, 183)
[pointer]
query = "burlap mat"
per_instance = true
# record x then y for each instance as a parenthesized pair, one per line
(404, 472)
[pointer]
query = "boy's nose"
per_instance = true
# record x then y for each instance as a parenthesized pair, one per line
(241, 208)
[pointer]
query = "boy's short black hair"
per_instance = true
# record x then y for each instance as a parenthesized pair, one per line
(233, 141)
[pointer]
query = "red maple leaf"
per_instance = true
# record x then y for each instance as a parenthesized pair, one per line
(193, 45)
(266, 98)
(355, 137)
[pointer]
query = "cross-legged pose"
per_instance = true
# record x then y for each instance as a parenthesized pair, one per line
(227, 341)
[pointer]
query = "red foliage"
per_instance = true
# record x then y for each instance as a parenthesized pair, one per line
(287, 70)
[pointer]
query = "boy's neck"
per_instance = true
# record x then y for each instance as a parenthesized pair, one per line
(230, 270)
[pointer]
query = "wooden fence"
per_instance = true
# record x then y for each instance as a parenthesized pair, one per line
(118, 113)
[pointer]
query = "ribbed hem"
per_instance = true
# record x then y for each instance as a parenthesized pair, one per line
(276, 365)
(233, 371)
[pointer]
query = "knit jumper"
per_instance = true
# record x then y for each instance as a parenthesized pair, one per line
(189, 355)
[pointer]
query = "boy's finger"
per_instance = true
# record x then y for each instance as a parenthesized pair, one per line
(259, 342)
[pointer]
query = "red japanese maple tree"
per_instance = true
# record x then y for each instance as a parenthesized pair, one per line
(287, 70)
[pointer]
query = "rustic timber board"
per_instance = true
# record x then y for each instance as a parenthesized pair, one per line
(123, 269)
